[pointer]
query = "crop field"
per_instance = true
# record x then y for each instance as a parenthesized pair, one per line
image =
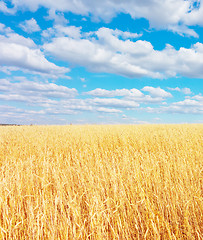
(101, 182)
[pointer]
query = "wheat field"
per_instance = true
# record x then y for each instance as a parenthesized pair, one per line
(101, 182)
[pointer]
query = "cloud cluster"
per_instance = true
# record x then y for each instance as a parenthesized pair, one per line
(62, 31)
(101, 50)
(191, 105)
(108, 53)
(157, 92)
(30, 26)
(16, 115)
(183, 90)
(20, 53)
(45, 99)
(175, 15)
(56, 99)
(134, 96)
(98, 92)
(34, 92)
(105, 50)
(60, 99)
(47, 94)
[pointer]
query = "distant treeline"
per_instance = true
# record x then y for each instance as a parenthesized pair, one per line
(6, 124)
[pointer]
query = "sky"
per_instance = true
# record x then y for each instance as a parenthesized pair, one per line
(101, 62)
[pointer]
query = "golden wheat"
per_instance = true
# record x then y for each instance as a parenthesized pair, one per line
(101, 182)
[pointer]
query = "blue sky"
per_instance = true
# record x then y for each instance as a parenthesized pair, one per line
(101, 62)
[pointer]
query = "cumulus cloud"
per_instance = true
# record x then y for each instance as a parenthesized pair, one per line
(194, 15)
(5, 9)
(57, 16)
(157, 92)
(188, 103)
(14, 38)
(108, 110)
(34, 92)
(98, 92)
(183, 30)
(74, 106)
(114, 102)
(4, 29)
(55, 99)
(47, 99)
(106, 33)
(188, 106)
(92, 55)
(28, 59)
(22, 53)
(30, 26)
(62, 31)
(157, 95)
(186, 91)
(173, 15)
(198, 98)
(134, 59)
(183, 90)
(60, 100)
(13, 115)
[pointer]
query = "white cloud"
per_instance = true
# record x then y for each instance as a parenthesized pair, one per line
(183, 90)
(198, 98)
(173, 15)
(32, 60)
(95, 56)
(61, 31)
(98, 92)
(58, 17)
(4, 29)
(186, 91)
(194, 16)
(147, 99)
(13, 38)
(47, 99)
(2, 26)
(134, 59)
(157, 92)
(22, 54)
(131, 94)
(188, 103)
(108, 110)
(187, 106)
(106, 33)
(110, 38)
(183, 30)
(30, 26)
(5, 9)
(34, 92)
(75, 106)
(114, 102)
(54, 99)
(13, 115)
